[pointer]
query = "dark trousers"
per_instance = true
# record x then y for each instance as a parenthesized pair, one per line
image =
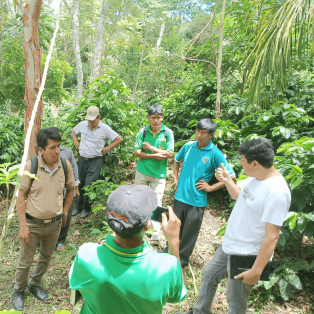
(89, 171)
(64, 230)
(191, 220)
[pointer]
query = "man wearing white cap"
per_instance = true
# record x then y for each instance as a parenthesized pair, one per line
(94, 134)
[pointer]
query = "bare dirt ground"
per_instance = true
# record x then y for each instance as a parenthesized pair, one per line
(55, 280)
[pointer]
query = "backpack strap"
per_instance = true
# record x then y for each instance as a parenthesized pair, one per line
(34, 168)
(145, 132)
(166, 132)
(65, 168)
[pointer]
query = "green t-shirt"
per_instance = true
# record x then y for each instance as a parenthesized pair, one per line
(133, 281)
(153, 167)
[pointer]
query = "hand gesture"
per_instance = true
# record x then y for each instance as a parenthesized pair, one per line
(222, 173)
(105, 150)
(24, 234)
(146, 145)
(248, 277)
(160, 156)
(202, 185)
(171, 227)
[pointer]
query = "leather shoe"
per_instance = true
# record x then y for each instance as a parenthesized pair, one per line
(84, 213)
(38, 292)
(18, 301)
(76, 212)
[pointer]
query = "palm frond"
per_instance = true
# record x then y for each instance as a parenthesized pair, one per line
(280, 42)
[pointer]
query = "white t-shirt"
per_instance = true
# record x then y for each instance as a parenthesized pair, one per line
(259, 202)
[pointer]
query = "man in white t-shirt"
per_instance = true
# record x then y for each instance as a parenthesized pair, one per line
(262, 203)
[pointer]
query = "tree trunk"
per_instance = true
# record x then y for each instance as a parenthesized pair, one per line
(99, 46)
(162, 29)
(32, 53)
(76, 45)
(140, 67)
(218, 68)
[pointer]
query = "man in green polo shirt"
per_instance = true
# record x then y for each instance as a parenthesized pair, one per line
(154, 145)
(124, 275)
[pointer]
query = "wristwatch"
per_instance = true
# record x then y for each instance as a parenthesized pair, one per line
(152, 149)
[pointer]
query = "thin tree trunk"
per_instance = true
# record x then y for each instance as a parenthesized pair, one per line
(76, 45)
(162, 29)
(99, 46)
(27, 144)
(140, 67)
(32, 53)
(218, 68)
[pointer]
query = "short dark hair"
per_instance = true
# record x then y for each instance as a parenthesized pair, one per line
(155, 109)
(207, 124)
(122, 232)
(259, 149)
(57, 129)
(47, 134)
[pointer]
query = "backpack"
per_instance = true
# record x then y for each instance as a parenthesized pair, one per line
(166, 131)
(34, 162)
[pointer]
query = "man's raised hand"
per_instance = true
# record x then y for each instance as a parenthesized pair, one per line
(171, 226)
(222, 173)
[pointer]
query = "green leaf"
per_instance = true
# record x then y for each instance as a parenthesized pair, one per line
(296, 169)
(293, 221)
(285, 289)
(294, 280)
(272, 280)
(302, 223)
(221, 232)
(309, 216)
(312, 264)
(296, 182)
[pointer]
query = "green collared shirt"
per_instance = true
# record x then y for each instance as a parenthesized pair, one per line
(153, 167)
(113, 279)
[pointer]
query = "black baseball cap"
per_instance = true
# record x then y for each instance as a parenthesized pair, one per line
(131, 205)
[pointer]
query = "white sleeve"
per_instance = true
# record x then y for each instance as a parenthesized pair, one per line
(242, 183)
(276, 208)
(110, 134)
(77, 128)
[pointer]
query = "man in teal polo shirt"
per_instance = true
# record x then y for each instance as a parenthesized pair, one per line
(124, 275)
(154, 144)
(200, 160)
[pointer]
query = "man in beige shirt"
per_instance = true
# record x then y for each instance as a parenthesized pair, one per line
(41, 214)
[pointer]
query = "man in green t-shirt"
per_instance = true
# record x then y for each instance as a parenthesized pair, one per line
(154, 144)
(124, 275)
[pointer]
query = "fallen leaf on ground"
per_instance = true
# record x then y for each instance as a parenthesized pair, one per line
(35, 259)
(76, 233)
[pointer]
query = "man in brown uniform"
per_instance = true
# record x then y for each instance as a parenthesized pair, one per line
(42, 214)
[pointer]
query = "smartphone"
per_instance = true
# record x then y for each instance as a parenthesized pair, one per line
(156, 214)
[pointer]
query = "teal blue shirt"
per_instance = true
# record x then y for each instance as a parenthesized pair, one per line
(116, 280)
(198, 164)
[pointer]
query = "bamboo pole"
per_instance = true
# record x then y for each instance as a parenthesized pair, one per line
(10, 212)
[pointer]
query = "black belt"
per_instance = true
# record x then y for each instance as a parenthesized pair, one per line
(45, 221)
(89, 158)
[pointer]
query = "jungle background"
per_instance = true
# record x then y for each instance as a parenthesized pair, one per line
(246, 64)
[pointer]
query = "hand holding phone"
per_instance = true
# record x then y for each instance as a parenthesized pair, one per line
(156, 214)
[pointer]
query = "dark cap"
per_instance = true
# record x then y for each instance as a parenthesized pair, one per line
(131, 205)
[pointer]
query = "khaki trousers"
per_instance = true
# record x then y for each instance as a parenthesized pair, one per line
(45, 234)
(157, 184)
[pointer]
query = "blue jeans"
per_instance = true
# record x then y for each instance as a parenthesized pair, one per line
(237, 291)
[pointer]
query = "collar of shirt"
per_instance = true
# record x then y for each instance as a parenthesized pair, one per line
(162, 129)
(135, 252)
(208, 147)
(42, 164)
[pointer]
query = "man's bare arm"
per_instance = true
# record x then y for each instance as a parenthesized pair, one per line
(222, 175)
(252, 276)
(176, 167)
(113, 145)
(140, 154)
(24, 232)
(202, 185)
(155, 150)
(75, 139)
(67, 203)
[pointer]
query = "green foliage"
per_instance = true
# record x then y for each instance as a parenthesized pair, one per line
(99, 191)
